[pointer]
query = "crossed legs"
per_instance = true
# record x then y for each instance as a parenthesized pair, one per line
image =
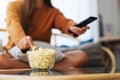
(72, 59)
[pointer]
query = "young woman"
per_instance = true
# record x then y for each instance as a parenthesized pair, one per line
(31, 20)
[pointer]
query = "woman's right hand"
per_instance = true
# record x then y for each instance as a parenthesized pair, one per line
(25, 43)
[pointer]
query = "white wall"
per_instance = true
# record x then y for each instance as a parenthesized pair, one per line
(3, 35)
(3, 4)
(90, 8)
(110, 10)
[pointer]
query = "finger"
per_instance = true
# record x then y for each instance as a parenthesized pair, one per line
(22, 43)
(24, 47)
(86, 27)
(83, 31)
(29, 40)
(26, 44)
(76, 30)
(73, 29)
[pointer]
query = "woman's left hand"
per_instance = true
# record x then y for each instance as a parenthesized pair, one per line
(78, 31)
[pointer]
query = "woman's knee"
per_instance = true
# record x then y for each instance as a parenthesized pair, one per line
(79, 57)
(3, 61)
(83, 56)
(2, 56)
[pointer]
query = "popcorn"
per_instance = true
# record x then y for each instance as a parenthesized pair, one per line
(44, 73)
(43, 59)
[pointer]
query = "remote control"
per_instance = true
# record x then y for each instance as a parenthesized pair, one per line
(84, 23)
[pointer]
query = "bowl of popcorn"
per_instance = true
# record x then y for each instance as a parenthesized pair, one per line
(41, 59)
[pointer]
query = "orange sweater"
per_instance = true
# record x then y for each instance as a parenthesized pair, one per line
(42, 23)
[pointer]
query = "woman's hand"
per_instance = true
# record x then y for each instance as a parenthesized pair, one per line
(25, 43)
(79, 31)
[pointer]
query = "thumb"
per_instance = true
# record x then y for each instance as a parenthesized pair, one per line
(30, 41)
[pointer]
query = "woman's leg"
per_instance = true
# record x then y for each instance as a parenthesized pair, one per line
(73, 59)
(6, 62)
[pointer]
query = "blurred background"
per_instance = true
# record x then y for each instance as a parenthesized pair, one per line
(107, 25)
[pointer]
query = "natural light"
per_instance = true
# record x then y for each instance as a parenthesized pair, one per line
(77, 10)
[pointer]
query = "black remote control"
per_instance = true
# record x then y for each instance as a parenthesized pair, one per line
(84, 23)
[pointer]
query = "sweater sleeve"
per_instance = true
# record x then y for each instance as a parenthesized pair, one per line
(63, 23)
(13, 22)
